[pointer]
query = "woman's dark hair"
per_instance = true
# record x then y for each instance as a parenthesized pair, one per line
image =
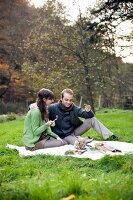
(47, 94)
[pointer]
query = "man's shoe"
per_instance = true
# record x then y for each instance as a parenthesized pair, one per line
(113, 138)
(88, 139)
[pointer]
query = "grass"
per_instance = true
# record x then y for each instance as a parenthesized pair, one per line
(54, 177)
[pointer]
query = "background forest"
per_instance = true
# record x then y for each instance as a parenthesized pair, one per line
(39, 47)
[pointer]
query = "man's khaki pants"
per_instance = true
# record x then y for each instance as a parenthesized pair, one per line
(87, 124)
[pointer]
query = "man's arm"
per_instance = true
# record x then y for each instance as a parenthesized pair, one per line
(84, 113)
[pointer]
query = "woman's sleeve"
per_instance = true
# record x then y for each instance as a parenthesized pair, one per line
(36, 122)
(50, 133)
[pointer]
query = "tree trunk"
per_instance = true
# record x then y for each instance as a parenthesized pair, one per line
(89, 91)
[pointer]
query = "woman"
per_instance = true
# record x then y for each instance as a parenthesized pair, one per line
(37, 131)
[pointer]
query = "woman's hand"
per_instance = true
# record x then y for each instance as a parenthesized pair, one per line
(87, 108)
(58, 138)
(51, 123)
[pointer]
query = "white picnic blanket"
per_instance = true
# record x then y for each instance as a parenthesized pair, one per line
(91, 153)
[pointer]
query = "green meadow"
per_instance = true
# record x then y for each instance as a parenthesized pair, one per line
(54, 177)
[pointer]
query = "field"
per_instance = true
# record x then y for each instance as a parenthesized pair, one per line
(55, 177)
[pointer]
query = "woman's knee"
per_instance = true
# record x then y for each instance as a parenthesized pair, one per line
(39, 145)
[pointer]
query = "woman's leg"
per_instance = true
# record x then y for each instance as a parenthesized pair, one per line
(51, 142)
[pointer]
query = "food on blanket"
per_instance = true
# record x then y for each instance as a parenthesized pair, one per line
(100, 146)
(80, 143)
(104, 148)
(112, 149)
(77, 151)
(69, 152)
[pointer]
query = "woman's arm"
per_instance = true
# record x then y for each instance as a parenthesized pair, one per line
(36, 126)
(49, 132)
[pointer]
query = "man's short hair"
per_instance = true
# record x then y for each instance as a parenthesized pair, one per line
(67, 90)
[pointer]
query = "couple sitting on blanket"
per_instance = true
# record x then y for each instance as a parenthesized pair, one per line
(61, 118)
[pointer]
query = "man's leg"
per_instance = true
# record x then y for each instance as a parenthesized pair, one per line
(96, 125)
(70, 139)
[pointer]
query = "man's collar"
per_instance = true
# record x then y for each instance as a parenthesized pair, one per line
(62, 107)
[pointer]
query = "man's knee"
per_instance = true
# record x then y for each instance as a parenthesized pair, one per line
(90, 121)
(87, 124)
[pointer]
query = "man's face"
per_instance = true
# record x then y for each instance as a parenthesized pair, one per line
(67, 100)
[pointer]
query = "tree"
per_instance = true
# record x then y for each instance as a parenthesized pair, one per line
(15, 15)
(108, 15)
(71, 56)
(43, 55)
(93, 71)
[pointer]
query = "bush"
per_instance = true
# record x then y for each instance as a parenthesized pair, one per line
(3, 118)
(10, 107)
(8, 117)
(11, 116)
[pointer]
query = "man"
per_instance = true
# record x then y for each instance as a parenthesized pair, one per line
(65, 112)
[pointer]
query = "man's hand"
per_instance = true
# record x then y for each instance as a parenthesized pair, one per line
(87, 107)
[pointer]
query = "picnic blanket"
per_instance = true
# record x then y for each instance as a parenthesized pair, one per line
(91, 151)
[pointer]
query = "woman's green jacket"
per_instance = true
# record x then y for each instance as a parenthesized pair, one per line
(34, 127)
